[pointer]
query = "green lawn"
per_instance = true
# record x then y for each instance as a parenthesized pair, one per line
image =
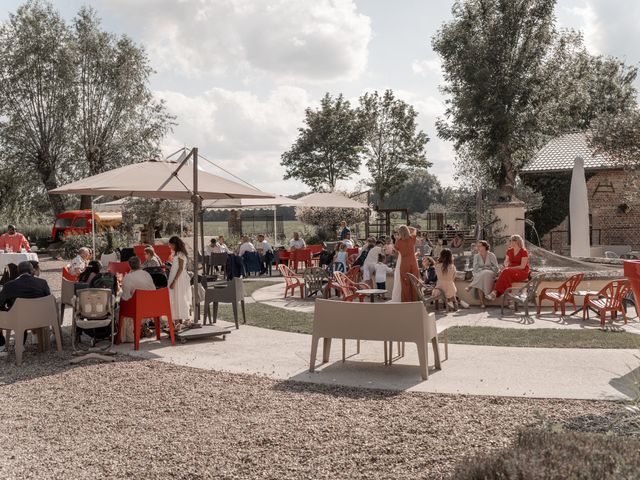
(266, 316)
(543, 337)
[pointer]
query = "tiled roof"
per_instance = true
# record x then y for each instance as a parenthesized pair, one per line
(558, 155)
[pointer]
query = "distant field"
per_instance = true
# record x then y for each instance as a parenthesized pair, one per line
(290, 226)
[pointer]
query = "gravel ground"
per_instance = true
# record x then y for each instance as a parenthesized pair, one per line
(147, 419)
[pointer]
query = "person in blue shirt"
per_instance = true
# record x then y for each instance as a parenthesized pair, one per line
(344, 230)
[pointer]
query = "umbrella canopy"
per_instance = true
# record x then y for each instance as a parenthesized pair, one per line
(329, 200)
(154, 179)
(250, 203)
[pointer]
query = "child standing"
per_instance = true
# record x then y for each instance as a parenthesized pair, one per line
(429, 265)
(381, 272)
(341, 256)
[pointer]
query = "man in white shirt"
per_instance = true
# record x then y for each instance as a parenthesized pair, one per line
(245, 246)
(266, 253)
(347, 240)
(136, 279)
(79, 262)
(209, 249)
(296, 243)
(221, 247)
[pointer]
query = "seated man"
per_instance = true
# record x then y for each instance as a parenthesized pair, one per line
(296, 243)
(13, 241)
(347, 240)
(136, 279)
(266, 253)
(25, 286)
(80, 262)
(245, 246)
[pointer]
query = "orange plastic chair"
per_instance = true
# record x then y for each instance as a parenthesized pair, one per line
(348, 288)
(66, 275)
(607, 300)
(282, 257)
(291, 281)
(119, 267)
(561, 295)
(302, 255)
(138, 251)
(315, 248)
(353, 251)
(146, 304)
(354, 274)
(351, 259)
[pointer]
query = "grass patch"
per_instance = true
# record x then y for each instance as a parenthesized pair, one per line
(250, 287)
(542, 337)
(266, 316)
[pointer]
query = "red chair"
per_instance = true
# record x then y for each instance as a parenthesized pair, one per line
(146, 304)
(561, 295)
(353, 251)
(138, 250)
(351, 259)
(283, 257)
(348, 288)
(67, 276)
(315, 248)
(119, 267)
(164, 252)
(291, 281)
(302, 255)
(607, 300)
(354, 274)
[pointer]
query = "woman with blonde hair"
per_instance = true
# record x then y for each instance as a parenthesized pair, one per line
(406, 247)
(516, 267)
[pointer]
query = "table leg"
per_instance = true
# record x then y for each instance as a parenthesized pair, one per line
(372, 298)
(385, 352)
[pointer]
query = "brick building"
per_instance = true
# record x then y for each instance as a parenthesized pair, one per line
(614, 218)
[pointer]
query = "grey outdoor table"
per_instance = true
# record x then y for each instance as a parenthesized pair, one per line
(372, 292)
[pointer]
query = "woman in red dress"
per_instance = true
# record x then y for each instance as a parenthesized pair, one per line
(516, 269)
(406, 247)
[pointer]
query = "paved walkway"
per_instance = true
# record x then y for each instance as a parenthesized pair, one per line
(479, 370)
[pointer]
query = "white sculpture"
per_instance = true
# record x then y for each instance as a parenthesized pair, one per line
(579, 212)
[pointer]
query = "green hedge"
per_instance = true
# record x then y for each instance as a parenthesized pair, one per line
(541, 454)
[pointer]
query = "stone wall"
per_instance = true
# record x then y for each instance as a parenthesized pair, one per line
(611, 222)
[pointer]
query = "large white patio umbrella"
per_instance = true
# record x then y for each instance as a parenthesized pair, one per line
(253, 204)
(166, 180)
(329, 200)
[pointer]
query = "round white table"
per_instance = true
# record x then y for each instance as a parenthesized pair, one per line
(16, 258)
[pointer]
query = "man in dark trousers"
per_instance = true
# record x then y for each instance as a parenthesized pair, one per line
(25, 286)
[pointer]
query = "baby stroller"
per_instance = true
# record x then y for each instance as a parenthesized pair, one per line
(94, 316)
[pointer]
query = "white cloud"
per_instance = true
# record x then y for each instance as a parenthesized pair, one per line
(426, 67)
(243, 133)
(307, 40)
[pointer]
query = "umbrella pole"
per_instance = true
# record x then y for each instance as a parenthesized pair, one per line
(202, 238)
(195, 199)
(275, 225)
(93, 229)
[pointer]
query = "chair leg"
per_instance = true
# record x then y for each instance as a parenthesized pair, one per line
(215, 313)
(117, 335)
(58, 335)
(19, 336)
(344, 350)
(235, 313)
(136, 333)
(244, 316)
(61, 312)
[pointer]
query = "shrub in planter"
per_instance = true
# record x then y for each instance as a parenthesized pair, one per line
(541, 454)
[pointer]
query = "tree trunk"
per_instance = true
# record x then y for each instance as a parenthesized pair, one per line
(48, 177)
(235, 223)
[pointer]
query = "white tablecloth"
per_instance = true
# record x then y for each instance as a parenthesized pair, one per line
(7, 258)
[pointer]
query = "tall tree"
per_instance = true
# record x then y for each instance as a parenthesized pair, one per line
(119, 121)
(393, 145)
(493, 55)
(513, 81)
(37, 98)
(328, 146)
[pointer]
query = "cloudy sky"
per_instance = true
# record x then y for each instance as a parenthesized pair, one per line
(238, 74)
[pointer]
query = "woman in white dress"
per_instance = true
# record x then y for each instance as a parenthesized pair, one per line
(485, 269)
(179, 285)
